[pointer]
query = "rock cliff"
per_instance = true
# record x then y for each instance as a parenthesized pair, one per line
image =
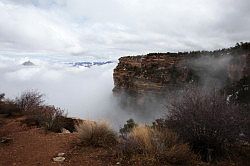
(157, 72)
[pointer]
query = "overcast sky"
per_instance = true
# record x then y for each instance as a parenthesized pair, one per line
(121, 27)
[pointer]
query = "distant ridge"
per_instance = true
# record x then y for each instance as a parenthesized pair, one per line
(89, 64)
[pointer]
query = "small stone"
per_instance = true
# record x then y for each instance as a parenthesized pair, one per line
(65, 131)
(5, 140)
(60, 154)
(118, 163)
(58, 159)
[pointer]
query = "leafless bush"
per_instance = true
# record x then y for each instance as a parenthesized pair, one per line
(29, 101)
(96, 134)
(51, 118)
(206, 121)
(48, 117)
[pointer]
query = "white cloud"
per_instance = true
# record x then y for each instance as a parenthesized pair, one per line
(27, 28)
(121, 27)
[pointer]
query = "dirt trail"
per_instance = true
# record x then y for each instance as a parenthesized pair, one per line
(33, 146)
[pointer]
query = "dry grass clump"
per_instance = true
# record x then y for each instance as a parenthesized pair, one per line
(143, 137)
(152, 146)
(96, 134)
(179, 154)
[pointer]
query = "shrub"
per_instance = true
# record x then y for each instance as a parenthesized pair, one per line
(130, 124)
(2, 96)
(178, 155)
(38, 114)
(29, 101)
(96, 134)
(30, 104)
(49, 117)
(207, 122)
(8, 107)
(158, 147)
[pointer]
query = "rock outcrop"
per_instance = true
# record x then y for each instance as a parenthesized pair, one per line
(157, 72)
(28, 63)
(153, 72)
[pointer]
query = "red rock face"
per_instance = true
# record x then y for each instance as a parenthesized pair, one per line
(160, 71)
(150, 73)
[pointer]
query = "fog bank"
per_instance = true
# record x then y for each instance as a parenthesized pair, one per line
(83, 92)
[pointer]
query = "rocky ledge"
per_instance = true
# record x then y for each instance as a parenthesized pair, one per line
(156, 72)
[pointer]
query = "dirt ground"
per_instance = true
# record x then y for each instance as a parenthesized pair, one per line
(33, 146)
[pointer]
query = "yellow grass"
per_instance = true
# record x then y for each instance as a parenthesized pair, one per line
(147, 144)
(143, 135)
(96, 134)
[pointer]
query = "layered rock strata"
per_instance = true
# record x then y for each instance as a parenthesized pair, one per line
(158, 72)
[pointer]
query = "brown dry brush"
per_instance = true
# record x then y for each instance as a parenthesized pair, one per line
(96, 134)
(29, 101)
(150, 146)
(8, 107)
(31, 104)
(48, 117)
(206, 121)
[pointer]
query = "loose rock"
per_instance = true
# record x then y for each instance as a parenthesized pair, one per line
(5, 140)
(65, 131)
(58, 159)
(60, 154)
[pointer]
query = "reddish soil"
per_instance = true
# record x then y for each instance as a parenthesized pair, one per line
(33, 146)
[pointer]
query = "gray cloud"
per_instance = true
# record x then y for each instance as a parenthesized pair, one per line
(121, 27)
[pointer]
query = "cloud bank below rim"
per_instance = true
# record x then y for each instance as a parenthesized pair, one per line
(83, 92)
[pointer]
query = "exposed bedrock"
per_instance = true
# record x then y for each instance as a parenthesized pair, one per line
(156, 73)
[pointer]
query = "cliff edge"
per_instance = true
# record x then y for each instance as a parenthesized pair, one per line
(157, 72)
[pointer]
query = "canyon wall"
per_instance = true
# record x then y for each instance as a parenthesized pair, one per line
(158, 72)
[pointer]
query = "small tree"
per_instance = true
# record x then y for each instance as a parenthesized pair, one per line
(128, 127)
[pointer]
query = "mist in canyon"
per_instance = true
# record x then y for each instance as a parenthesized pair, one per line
(83, 92)
(86, 92)
(66, 32)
